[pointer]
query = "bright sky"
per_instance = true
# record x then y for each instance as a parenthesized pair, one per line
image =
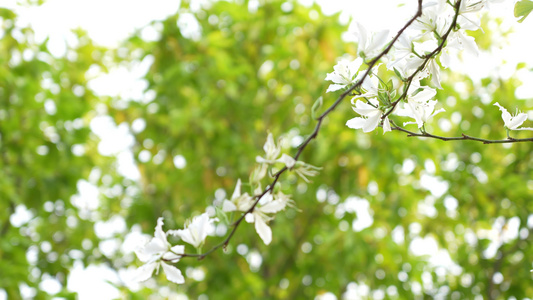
(56, 18)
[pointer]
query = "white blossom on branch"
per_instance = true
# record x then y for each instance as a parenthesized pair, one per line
(344, 74)
(513, 122)
(370, 116)
(156, 253)
(195, 231)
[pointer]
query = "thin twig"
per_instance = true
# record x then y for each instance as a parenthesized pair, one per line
(463, 137)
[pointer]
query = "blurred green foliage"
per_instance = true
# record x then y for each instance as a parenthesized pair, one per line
(211, 100)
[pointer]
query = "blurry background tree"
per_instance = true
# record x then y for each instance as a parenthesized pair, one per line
(388, 216)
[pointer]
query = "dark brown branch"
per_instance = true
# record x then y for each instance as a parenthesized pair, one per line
(463, 137)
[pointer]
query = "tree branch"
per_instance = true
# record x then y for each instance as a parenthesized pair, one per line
(312, 136)
(463, 137)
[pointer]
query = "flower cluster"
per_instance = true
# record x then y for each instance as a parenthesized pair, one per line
(258, 208)
(433, 40)
(412, 58)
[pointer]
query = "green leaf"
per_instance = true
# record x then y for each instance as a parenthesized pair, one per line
(390, 85)
(399, 74)
(522, 9)
(316, 106)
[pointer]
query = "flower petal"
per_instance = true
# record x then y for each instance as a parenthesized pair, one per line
(372, 122)
(386, 125)
(145, 271)
(228, 206)
(517, 121)
(173, 274)
(356, 123)
(264, 232)
(378, 40)
(159, 233)
(237, 191)
(273, 206)
(354, 66)
(335, 77)
(506, 116)
(335, 87)
(364, 109)
(423, 96)
(155, 246)
(287, 160)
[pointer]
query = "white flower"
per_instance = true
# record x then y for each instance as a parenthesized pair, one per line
(422, 112)
(343, 74)
(155, 253)
(371, 117)
(512, 122)
(419, 103)
(431, 68)
(402, 48)
(196, 231)
(433, 18)
(464, 41)
(267, 205)
(369, 45)
(371, 86)
(238, 202)
(289, 161)
(411, 65)
(469, 7)
(305, 170)
(271, 151)
(458, 40)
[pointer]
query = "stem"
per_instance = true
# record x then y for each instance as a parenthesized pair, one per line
(463, 137)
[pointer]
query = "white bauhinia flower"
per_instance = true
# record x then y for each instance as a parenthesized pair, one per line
(370, 44)
(458, 40)
(196, 231)
(424, 112)
(401, 49)
(156, 253)
(434, 18)
(344, 74)
(418, 99)
(411, 65)
(371, 87)
(268, 204)
(464, 41)
(414, 62)
(467, 18)
(272, 151)
(238, 201)
(513, 122)
(306, 170)
(370, 116)
(288, 160)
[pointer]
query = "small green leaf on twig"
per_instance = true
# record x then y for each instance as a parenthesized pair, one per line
(522, 9)
(316, 106)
